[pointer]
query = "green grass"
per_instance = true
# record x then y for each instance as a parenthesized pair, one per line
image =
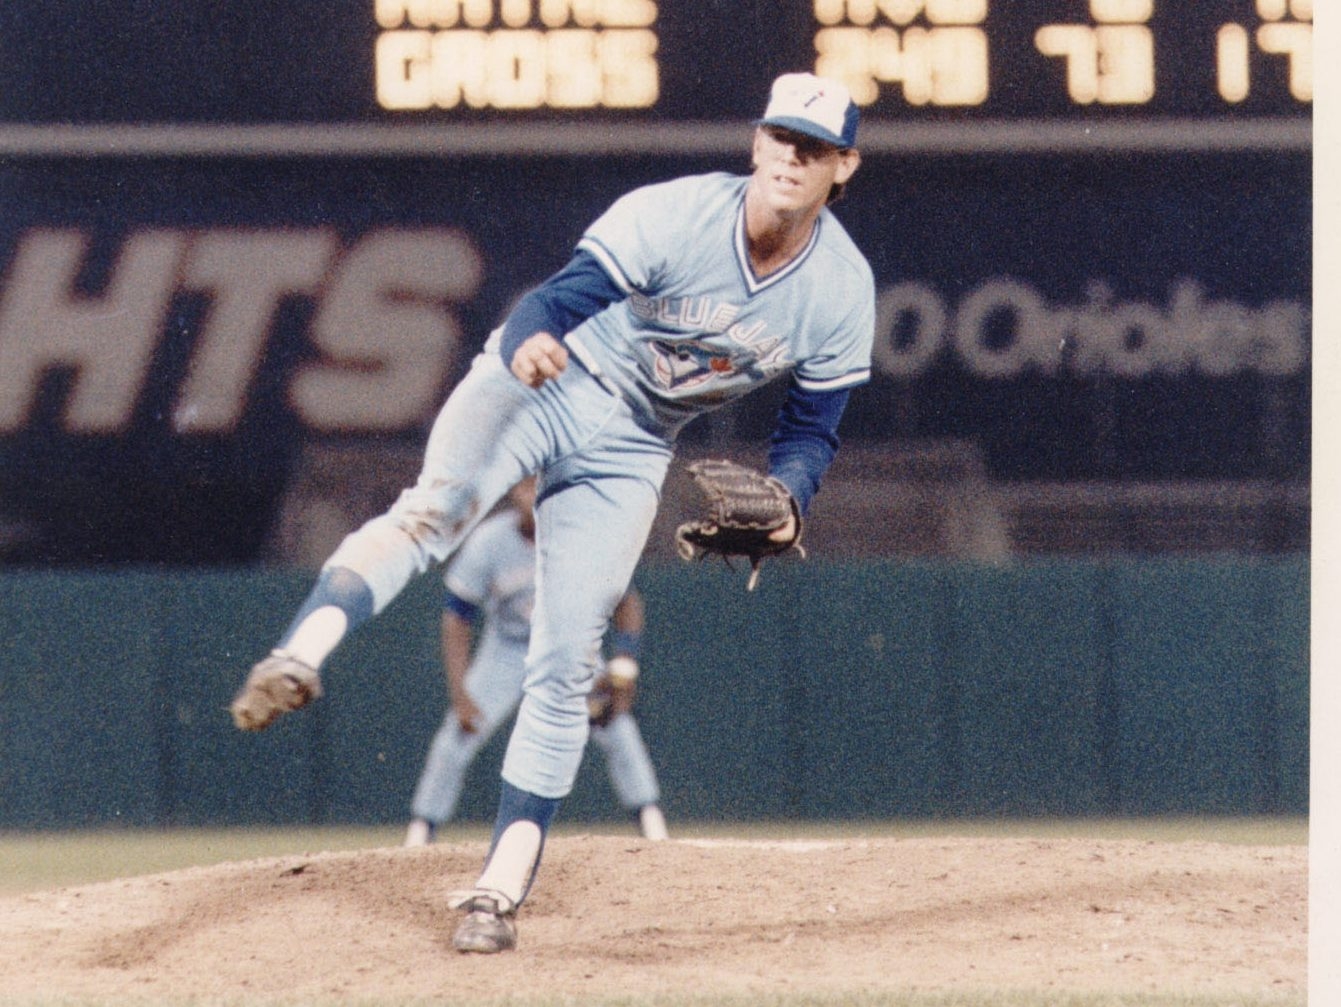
(35, 861)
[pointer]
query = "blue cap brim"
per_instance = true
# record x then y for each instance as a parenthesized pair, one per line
(805, 127)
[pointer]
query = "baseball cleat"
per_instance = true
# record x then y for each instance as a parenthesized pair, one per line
(485, 930)
(278, 684)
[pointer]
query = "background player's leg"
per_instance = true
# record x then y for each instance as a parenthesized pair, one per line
(632, 775)
(440, 782)
(494, 682)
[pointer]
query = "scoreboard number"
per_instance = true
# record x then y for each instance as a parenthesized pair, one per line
(896, 56)
(516, 54)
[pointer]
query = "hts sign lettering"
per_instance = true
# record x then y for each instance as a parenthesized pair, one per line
(381, 329)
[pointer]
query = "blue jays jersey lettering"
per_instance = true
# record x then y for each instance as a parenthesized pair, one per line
(698, 327)
(495, 570)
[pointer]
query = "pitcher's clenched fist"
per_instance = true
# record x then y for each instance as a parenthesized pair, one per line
(538, 359)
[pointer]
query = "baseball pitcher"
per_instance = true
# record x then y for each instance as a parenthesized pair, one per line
(680, 298)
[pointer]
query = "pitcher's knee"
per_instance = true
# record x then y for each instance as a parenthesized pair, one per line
(347, 590)
(436, 513)
(560, 691)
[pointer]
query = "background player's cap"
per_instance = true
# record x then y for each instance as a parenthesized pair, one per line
(816, 106)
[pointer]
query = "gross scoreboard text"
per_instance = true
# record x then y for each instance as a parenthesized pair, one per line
(897, 56)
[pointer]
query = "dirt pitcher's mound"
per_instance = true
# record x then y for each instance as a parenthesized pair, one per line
(613, 916)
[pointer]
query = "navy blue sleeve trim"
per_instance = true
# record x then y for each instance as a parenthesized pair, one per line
(459, 606)
(626, 643)
(805, 439)
(560, 304)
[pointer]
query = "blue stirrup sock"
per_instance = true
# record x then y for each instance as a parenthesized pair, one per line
(519, 838)
(339, 589)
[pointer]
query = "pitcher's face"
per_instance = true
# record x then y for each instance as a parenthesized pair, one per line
(794, 171)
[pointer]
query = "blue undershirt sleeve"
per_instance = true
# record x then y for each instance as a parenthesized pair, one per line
(805, 440)
(455, 603)
(560, 304)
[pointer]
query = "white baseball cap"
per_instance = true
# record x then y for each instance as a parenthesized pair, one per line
(816, 106)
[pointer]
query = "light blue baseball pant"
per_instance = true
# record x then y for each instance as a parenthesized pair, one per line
(494, 681)
(627, 761)
(600, 482)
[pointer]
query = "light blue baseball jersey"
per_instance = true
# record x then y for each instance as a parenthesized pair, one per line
(698, 328)
(494, 570)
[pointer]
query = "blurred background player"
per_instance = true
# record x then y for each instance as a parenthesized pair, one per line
(491, 589)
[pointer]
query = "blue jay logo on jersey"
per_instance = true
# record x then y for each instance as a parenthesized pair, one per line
(687, 363)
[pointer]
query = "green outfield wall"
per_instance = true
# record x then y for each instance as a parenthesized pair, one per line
(865, 690)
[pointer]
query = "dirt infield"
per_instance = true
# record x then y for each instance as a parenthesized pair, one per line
(613, 916)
